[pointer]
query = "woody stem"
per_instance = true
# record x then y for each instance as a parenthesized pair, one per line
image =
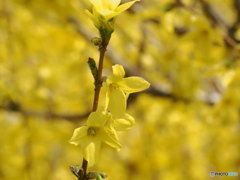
(98, 85)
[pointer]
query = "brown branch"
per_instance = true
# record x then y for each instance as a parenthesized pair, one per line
(216, 20)
(211, 14)
(232, 30)
(44, 115)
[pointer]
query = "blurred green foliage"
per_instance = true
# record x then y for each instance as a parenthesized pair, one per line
(186, 128)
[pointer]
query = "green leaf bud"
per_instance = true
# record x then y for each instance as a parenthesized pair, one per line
(96, 41)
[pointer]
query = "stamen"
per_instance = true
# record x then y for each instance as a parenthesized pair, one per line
(91, 131)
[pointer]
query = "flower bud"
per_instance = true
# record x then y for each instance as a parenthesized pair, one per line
(77, 171)
(96, 41)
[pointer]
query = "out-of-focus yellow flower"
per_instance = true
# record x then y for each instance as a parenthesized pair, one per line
(110, 8)
(118, 87)
(104, 12)
(124, 123)
(89, 137)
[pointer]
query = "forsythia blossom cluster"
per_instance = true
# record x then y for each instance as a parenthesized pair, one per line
(103, 123)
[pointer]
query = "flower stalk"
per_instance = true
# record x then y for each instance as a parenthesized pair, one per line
(105, 38)
(98, 80)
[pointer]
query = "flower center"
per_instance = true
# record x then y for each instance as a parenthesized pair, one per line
(91, 131)
(113, 86)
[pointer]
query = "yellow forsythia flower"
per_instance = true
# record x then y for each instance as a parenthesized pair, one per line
(118, 86)
(104, 12)
(89, 137)
(123, 124)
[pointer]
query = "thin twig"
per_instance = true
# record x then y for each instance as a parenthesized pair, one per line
(98, 85)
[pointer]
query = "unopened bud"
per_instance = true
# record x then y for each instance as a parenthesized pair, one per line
(77, 171)
(96, 41)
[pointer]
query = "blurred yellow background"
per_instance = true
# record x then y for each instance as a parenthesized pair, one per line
(187, 122)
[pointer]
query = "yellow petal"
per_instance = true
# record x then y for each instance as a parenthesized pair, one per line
(97, 4)
(91, 151)
(106, 100)
(118, 74)
(107, 14)
(125, 6)
(109, 137)
(133, 84)
(97, 118)
(78, 135)
(124, 123)
(109, 123)
(112, 4)
(117, 101)
(93, 18)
